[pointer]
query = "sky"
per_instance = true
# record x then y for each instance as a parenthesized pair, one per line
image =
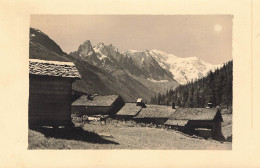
(208, 37)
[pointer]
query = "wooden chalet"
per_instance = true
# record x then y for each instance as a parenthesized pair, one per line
(197, 120)
(50, 90)
(97, 105)
(156, 114)
(129, 111)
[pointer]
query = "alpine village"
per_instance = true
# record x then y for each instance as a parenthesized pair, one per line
(99, 98)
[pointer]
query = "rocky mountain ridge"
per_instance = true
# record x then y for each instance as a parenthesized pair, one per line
(154, 64)
(131, 74)
(99, 75)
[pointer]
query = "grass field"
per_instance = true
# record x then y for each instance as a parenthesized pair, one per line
(118, 136)
(227, 126)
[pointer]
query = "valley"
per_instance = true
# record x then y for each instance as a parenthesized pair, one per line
(132, 73)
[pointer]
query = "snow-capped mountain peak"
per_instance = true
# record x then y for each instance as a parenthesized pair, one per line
(106, 52)
(155, 64)
(139, 57)
(99, 54)
(183, 69)
(99, 46)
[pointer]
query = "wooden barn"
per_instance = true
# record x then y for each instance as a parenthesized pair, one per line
(197, 120)
(129, 111)
(50, 90)
(97, 105)
(155, 114)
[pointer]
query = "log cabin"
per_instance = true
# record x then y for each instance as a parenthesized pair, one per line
(97, 105)
(197, 121)
(50, 92)
(155, 114)
(129, 111)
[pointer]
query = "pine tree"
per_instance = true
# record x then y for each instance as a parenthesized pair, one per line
(216, 88)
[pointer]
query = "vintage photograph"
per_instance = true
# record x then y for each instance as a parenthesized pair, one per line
(159, 82)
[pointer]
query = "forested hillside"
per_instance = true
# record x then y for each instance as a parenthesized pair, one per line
(216, 88)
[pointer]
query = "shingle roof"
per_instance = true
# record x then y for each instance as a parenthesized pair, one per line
(53, 68)
(99, 100)
(156, 111)
(194, 114)
(130, 109)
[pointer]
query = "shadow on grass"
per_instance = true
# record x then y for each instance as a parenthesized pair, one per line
(76, 133)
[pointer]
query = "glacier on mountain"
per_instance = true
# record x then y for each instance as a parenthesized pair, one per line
(183, 69)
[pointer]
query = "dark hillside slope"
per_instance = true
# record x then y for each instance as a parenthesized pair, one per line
(39, 37)
(38, 51)
(94, 79)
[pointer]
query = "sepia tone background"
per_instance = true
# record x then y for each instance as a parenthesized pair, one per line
(14, 33)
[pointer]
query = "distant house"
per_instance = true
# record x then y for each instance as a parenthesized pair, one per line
(156, 114)
(192, 120)
(140, 102)
(50, 90)
(129, 111)
(97, 105)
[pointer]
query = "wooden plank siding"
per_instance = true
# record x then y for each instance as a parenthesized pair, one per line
(215, 127)
(49, 100)
(156, 121)
(91, 110)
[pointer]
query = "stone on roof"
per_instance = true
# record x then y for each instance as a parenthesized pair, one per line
(53, 68)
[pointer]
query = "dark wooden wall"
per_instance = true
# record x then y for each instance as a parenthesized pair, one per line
(156, 121)
(116, 106)
(91, 110)
(49, 100)
(125, 117)
(215, 127)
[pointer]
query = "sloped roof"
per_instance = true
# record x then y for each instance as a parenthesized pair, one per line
(194, 114)
(99, 100)
(130, 109)
(156, 111)
(53, 68)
